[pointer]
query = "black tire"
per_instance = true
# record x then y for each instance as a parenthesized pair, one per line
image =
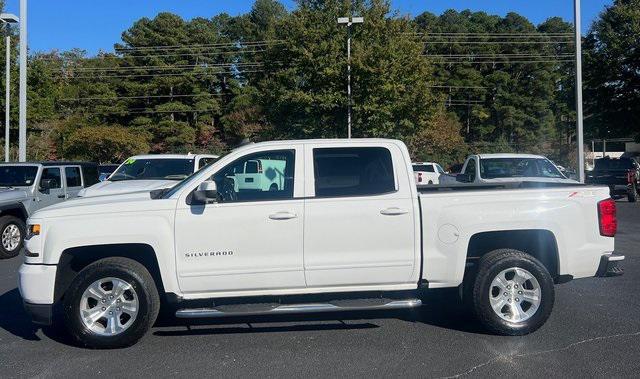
(5, 222)
(489, 267)
(273, 187)
(632, 196)
(121, 268)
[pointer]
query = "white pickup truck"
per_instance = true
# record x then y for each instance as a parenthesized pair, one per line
(149, 172)
(503, 168)
(348, 230)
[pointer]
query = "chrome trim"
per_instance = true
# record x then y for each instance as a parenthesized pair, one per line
(296, 308)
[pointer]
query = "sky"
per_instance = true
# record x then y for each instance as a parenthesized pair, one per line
(96, 25)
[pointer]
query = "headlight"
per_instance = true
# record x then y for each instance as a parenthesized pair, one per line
(34, 230)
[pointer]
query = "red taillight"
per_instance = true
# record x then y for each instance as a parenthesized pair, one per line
(419, 177)
(607, 218)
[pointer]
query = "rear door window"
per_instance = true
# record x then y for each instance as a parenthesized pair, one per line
(353, 171)
(72, 176)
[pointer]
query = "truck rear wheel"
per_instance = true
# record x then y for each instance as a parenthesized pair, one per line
(512, 293)
(12, 231)
(111, 303)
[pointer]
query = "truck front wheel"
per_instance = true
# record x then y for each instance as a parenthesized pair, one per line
(111, 303)
(513, 292)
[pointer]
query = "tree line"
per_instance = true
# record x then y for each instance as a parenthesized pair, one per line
(447, 85)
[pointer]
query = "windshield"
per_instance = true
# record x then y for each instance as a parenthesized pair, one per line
(613, 164)
(153, 169)
(494, 168)
(17, 176)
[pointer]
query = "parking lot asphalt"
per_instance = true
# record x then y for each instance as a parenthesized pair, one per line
(594, 331)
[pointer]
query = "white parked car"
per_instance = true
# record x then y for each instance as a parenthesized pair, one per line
(149, 172)
(427, 172)
(504, 168)
(348, 230)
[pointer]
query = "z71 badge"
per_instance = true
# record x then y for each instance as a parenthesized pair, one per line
(208, 254)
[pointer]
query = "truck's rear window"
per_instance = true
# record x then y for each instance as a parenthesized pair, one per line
(353, 171)
(423, 168)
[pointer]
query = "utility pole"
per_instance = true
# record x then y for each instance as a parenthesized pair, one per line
(348, 21)
(22, 121)
(7, 19)
(579, 126)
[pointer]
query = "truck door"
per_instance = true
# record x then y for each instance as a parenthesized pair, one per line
(55, 193)
(73, 181)
(248, 239)
(359, 219)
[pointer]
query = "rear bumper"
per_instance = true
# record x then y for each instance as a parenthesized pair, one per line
(610, 265)
(41, 314)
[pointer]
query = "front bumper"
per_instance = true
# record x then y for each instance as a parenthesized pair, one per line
(610, 265)
(41, 314)
(37, 285)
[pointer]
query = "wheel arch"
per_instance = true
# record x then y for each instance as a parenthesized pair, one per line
(539, 243)
(73, 260)
(17, 210)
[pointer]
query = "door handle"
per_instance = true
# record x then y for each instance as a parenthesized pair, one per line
(283, 216)
(393, 211)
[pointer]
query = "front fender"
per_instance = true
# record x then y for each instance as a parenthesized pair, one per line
(153, 228)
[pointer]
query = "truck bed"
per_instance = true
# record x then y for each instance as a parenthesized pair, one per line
(455, 216)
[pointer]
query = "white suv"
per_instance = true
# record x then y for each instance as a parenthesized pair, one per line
(149, 172)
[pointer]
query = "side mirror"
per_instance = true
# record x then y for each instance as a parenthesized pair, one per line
(206, 192)
(45, 185)
(463, 178)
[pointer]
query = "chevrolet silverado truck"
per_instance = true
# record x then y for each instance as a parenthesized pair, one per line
(348, 230)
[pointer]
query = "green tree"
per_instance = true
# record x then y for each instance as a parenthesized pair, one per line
(104, 144)
(612, 72)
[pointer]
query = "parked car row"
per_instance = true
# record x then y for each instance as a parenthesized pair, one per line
(621, 175)
(493, 168)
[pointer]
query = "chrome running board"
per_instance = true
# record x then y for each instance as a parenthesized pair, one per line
(296, 308)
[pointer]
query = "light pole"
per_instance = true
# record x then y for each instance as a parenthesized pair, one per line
(348, 21)
(579, 126)
(22, 122)
(7, 19)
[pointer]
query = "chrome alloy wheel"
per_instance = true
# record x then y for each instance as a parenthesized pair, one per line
(11, 237)
(109, 306)
(515, 295)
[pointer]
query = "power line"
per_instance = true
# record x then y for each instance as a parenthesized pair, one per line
(68, 99)
(499, 42)
(461, 87)
(512, 34)
(115, 57)
(504, 62)
(195, 73)
(237, 44)
(170, 67)
(499, 55)
(150, 111)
